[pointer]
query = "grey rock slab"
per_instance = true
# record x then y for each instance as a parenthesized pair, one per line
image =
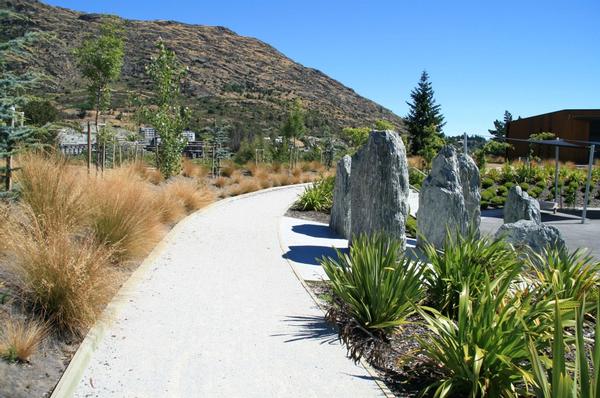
(520, 206)
(219, 313)
(470, 179)
(341, 210)
(442, 205)
(380, 186)
(529, 233)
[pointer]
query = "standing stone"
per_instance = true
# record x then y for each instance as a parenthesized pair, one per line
(341, 209)
(530, 233)
(380, 186)
(441, 202)
(520, 206)
(469, 178)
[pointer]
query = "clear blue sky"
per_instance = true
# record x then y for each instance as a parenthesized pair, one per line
(527, 56)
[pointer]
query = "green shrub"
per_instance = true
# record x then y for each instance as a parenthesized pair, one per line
(415, 177)
(502, 190)
(465, 261)
(535, 191)
(524, 186)
(318, 196)
(486, 182)
(498, 201)
(488, 194)
(484, 204)
(377, 284)
(509, 185)
(541, 184)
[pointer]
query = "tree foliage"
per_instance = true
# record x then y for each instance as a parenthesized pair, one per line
(500, 127)
(294, 127)
(167, 115)
(423, 113)
(100, 60)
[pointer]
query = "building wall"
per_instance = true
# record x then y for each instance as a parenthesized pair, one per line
(567, 124)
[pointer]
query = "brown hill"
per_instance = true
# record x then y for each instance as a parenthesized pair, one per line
(232, 79)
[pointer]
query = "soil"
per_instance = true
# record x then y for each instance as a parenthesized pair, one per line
(309, 215)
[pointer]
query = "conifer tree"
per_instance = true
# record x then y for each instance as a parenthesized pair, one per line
(500, 127)
(423, 113)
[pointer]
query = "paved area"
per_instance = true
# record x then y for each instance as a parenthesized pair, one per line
(220, 313)
(575, 234)
(305, 242)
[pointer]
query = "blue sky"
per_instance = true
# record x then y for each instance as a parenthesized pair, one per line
(528, 56)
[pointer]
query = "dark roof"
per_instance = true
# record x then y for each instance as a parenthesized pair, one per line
(558, 111)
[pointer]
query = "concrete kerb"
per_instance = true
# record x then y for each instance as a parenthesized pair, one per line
(370, 370)
(70, 379)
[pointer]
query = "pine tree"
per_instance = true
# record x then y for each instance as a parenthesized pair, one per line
(13, 135)
(423, 113)
(500, 127)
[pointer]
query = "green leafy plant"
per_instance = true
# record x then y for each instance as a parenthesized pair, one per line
(482, 351)
(376, 284)
(558, 272)
(318, 196)
(466, 260)
(586, 380)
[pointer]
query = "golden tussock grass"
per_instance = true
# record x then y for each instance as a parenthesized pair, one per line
(191, 195)
(20, 339)
(124, 215)
(55, 192)
(236, 177)
(417, 162)
(276, 167)
(220, 182)
(246, 185)
(316, 166)
(193, 170)
(63, 277)
(227, 168)
(169, 206)
(296, 171)
(307, 178)
(281, 179)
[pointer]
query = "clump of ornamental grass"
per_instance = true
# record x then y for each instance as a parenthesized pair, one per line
(194, 197)
(318, 196)
(169, 206)
(227, 168)
(193, 170)
(246, 185)
(20, 338)
(281, 179)
(124, 215)
(220, 182)
(55, 192)
(63, 277)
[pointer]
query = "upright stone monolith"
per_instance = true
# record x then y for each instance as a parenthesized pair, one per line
(379, 179)
(520, 206)
(442, 204)
(341, 209)
(469, 179)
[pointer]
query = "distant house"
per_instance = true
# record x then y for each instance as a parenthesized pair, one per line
(189, 135)
(148, 135)
(567, 124)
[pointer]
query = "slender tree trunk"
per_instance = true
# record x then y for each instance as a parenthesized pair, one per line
(89, 147)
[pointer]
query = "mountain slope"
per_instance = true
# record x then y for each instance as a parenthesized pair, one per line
(233, 79)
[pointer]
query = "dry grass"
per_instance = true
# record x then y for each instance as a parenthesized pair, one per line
(55, 192)
(227, 168)
(297, 172)
(20, 339)
(236, 177)
(188, 192)
(417, 162)
(316, 167)
(63, 277)
(193, 170)
(220, 182)
(281, 179)
(169, 206)
(124, 216)
(246, 185)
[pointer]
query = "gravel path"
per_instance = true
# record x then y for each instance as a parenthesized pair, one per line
(218, 312)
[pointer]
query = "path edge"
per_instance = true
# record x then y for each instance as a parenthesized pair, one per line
(71, 377)
(370, 370)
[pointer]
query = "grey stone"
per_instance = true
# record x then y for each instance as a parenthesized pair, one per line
(341, 209)
(530, 233)
(469, 178)
(441, 200)
(380, 186)
(520, 206)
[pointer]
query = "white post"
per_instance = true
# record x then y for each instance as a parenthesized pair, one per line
(556, 154)
(588, 182)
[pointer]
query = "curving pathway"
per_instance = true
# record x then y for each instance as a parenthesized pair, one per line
(216, 311)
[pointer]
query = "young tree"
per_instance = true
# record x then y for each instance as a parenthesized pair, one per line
(500, 127)
(423, 112)
(433, 143)
(294, 127)
(100, 60)
(383, 124)
(357, 136)
(168, 117)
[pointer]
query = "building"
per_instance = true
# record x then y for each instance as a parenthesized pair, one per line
(567, 124)
(189, 135)
(148, 134)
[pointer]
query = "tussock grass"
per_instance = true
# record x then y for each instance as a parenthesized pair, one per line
(193, 170)
(246, 185)
(64, 278)
(220, 182)
(188, 192)
(227, 168)
(169, 206)
(236, 177)
(55, 192)
(124, 216)
(20, 339)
